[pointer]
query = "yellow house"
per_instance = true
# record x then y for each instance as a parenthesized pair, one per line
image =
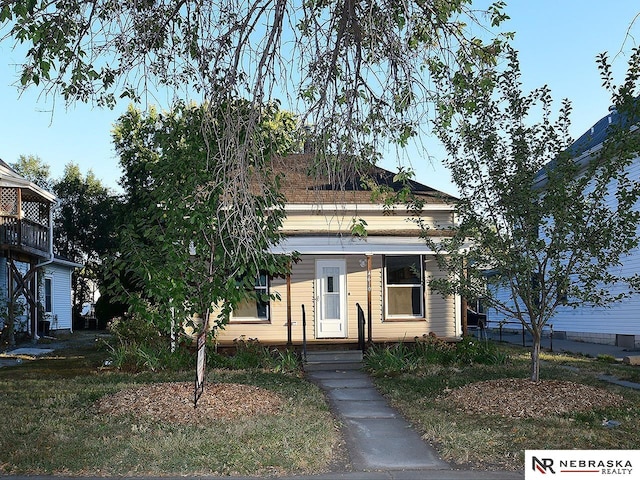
(343, 283)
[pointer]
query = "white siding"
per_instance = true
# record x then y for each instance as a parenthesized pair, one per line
(621, 318)
(61, 296)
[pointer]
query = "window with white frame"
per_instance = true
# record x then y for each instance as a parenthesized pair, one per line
(404, 290)
(48, 295)
(256, 306)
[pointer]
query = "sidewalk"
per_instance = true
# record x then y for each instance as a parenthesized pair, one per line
(562, 345)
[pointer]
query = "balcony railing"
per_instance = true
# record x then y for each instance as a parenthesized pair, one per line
(24, 234)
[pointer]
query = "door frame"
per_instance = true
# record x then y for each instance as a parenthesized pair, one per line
(341, 263)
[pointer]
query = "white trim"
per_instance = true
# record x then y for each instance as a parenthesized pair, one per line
(423, 302)
(44, 294)
(9, 178)
(334, 245)
(67, 263)
(265, 291)
(360, 207)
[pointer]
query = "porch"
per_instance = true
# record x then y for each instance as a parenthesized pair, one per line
(25, 221)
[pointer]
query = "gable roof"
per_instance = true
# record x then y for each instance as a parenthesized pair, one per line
(598, 133)
(302, 185)
(10, 178)
(585, 148)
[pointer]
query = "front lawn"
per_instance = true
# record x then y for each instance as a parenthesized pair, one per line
(495, 435)
(52, 423)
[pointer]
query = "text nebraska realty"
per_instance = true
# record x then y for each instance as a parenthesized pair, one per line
(605, 467)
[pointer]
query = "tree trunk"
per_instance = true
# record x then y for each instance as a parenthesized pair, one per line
(535, 356)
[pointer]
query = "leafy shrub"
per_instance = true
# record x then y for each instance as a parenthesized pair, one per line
(137, 345)
(249, 353)
(430, 350)
(388, 360)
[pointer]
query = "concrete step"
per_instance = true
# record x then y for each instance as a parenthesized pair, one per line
(333, 360)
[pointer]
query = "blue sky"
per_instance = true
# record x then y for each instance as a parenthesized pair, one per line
(558, 41)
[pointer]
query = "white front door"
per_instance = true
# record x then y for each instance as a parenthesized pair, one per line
(331, 289)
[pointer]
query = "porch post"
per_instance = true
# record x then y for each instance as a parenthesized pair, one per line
(369, 314)
(289, 336)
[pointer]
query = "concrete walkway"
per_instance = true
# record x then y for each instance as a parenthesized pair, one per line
(380, 442)
(377, 437)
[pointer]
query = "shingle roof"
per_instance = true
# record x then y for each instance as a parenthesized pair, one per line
(9, 178)
(305, 184)
(598, 132)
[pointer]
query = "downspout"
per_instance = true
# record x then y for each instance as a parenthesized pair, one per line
(45, 263)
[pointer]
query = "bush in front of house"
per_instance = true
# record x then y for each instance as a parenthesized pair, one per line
(137, 345)
(249, 353)
(402, 357)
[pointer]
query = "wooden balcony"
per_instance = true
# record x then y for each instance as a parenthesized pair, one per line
(24, 235)
(25, 216)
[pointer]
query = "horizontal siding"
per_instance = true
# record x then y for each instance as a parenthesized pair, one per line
(342, 221)
(61, 292)
(302, 292)
(440, 312)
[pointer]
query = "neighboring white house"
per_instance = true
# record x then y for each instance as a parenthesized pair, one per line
(54, 296)
(38, 282)
(619, 323)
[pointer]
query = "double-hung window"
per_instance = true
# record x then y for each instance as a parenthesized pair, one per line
(404, 286)
(256, 306)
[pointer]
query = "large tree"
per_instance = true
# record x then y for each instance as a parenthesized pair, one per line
(34, 169)
(185, 243)
(543, 229)
(84, 227)
(357, 72)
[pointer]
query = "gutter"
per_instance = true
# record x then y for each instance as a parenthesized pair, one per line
(42, 264)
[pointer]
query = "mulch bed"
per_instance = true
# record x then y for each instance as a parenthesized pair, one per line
(522, 398)
(173, 402)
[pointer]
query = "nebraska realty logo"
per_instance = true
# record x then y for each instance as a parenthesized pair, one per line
(568, 464)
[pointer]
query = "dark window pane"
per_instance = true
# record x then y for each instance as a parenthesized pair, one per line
(403, 270)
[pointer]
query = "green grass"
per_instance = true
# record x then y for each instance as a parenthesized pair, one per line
(493, 442)
(51, 426)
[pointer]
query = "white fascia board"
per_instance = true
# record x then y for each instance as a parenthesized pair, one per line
(17, 182)
(67, 263)
(310, 245)
(372, 207)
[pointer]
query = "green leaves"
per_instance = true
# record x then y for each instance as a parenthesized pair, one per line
(199, 216)
(540, 229)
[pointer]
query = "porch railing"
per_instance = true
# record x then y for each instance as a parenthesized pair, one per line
(361, 329)
(304, 335)
(23, 233)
